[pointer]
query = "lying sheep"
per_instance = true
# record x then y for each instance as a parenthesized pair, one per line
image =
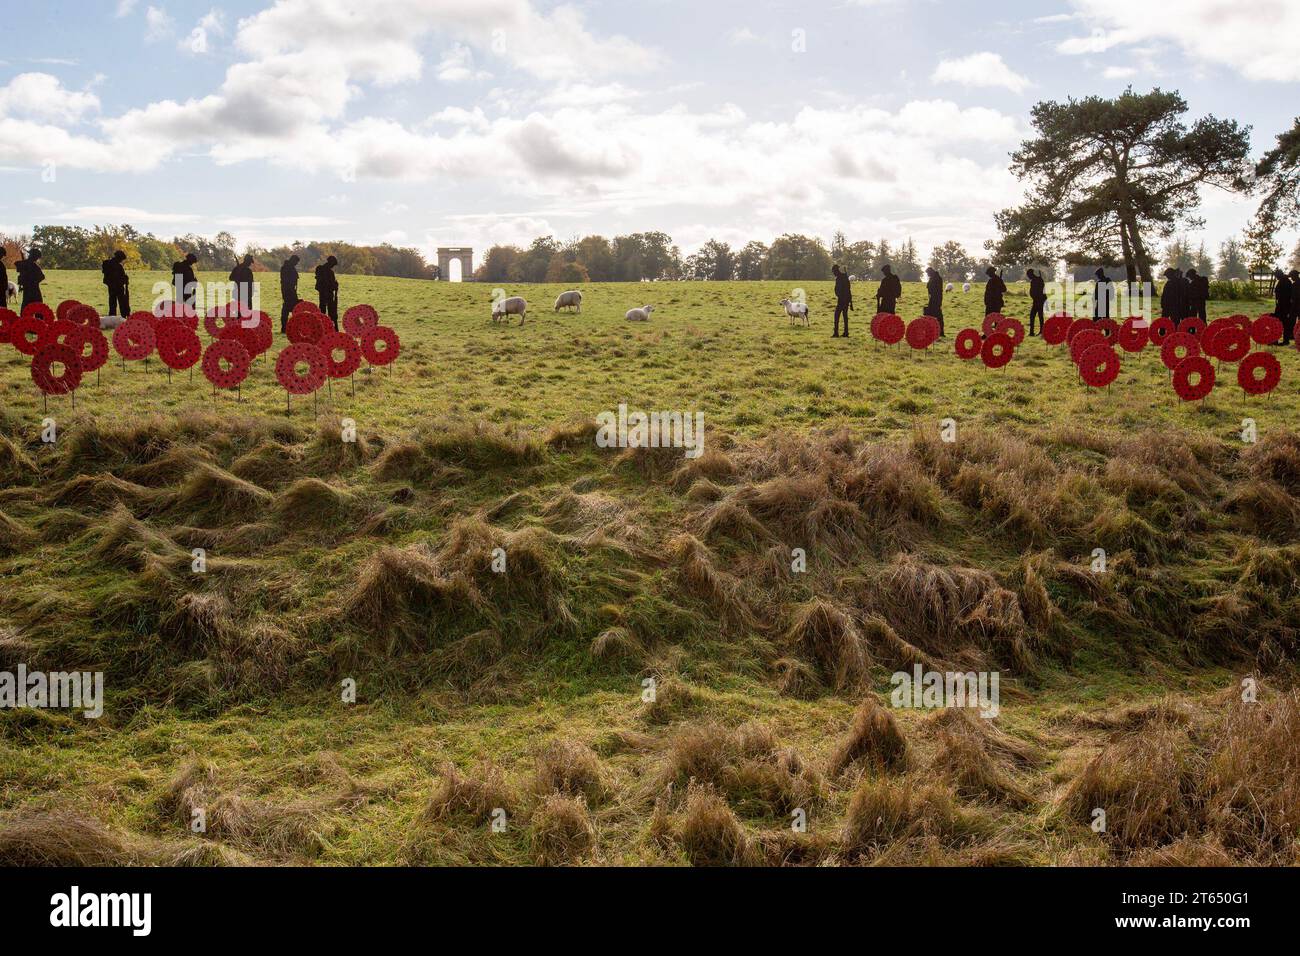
(796, 310)
(502, 309)
(108, 323)
(640, 315)
(569, 300)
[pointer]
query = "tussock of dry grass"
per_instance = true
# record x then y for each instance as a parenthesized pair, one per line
(826, 635)
(213, 495)
(128, 542)
(561, 830)
(572, 768)
(948, 612)
(709, 832)
(278, 830)
(746, 765)
(884, 813)
(398, 589)
(474, 796)
(874, 739)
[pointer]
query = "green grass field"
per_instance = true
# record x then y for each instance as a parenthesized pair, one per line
(330, 563)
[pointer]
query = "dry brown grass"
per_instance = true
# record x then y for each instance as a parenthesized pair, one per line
(561, 830)
(709, 832)
(571, 768)
(826, 635)
(873, 739)
(474, 796)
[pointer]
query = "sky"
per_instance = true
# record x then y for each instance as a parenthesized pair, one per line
(431, 122)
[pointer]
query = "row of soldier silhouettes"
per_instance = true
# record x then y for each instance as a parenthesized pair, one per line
(118, 281)
(1185, 295)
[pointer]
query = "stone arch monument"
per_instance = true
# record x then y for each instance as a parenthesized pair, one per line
(462, 255)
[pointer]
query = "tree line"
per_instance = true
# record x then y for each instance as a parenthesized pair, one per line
(77, 247)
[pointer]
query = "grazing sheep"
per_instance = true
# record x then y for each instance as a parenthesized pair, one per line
(948, 287)
(13, 290)
(640, 315)
(965, 287)
(502, 309)
(569, 300)
(796, 310)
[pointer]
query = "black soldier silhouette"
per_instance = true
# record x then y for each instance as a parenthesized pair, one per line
(119, 284)
(30, 277)
(4, 280)
(1173, 298)
(843, 300)
(995, 292)
(1103, 294)
(1288, 324)
(187, 287)
(934, 303)
(242, 278)
(1198, 294)
(327, 284)
(1037, 299)
(890, 291)
(288, 290)
(1284, 304)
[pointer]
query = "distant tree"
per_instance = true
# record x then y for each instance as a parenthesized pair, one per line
(952, 261)
(751, 261)
(1178, 255)
(15, 246)
(568, 273)
(884, 257)
(798, 258)
(1232, 261)
(536, 259)
(714, 261)
(597, 255)
(1262, 250)
(908, 266)
(1117, 170)
(500, 264)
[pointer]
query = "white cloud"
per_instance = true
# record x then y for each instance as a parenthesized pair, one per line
(158, 24)
(211, 24)
(1256, 38)
(41, 96)
(124, 7)
(104, 214)
(457, 66)
(979, 69)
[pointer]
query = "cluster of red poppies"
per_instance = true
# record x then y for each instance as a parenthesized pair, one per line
(63, 346)
(1185, 348)
(317, 351)
(67, 343)
(994, 343)
(920, 333)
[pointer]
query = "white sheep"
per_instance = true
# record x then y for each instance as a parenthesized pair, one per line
(109, 322)
(796, 310)
(965, 287)
(948, 287)
(569, 300)
(640, 315)
(502, 309)
(13, 291)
